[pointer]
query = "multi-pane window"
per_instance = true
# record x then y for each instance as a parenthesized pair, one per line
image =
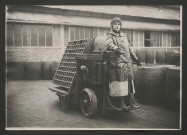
(20, 35)
(129, 34)
(139, 38)
(175, 39)
(161, 39)
(156, 38)
(80, 32)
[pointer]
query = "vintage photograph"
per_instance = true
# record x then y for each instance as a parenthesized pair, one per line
(93, 67)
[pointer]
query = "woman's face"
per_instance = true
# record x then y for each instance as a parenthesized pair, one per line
(116, 26)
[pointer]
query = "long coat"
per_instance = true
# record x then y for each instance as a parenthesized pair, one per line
(120, 66)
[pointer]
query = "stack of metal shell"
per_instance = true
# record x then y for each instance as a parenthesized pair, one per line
(65, 74)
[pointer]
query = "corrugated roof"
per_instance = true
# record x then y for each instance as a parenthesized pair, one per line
(129, 10)
(85, 21)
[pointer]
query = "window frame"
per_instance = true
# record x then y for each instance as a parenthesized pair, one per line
(87, 29)
(29, 34)
(164, 38)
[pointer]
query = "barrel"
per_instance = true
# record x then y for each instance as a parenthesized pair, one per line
(173, 57)
(54, 67)
(46, 70)
(99, 44)
(160, 56)
(33, 70)
(169, 57)
(149, 56)
(176, 57)
(140, 53)
(150, 84)
(15, 70)
(172, 88)
(165, 67)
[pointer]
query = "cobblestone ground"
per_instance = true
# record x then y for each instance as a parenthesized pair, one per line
(31, 105)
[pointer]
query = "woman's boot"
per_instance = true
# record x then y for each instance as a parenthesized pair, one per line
(133, 104)
(122, 104)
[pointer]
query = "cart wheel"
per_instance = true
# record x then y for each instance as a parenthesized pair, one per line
(64, 102)
(88, 102)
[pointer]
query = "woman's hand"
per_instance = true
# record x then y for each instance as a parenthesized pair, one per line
(118, 51)
(138, 62)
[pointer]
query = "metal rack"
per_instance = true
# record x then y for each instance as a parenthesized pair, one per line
(65, 74)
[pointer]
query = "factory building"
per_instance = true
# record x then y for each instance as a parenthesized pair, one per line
(37, 35)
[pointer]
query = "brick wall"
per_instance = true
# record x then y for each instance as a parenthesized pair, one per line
(34, 54)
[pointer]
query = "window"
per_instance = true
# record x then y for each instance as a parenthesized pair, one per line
(49, 37)
(10, 35)
(147, 38)
(80, 32)
(72, 33)
(22, 35)
(76, 33)
(26, 35)
(17, 35)
(156, 38)
(153, 39)
(101, 31)
(66, 35)
(56, 35)
(161, 39)
(87, 32)
(95, 32)
(41, 32)
(130, 35)
(175, 39)
(165, 39)
(137, 36)
(34, 35)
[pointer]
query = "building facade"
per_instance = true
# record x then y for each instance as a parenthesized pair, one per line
(39, 33)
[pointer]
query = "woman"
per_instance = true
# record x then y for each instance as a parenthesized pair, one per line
(121, 84)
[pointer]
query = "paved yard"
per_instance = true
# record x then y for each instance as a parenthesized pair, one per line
(31, 105)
